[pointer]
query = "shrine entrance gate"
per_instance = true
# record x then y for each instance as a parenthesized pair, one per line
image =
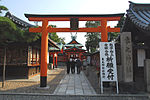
(74, 23)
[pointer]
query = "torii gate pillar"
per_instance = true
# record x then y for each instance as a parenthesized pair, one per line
(44, 50)
(104, 34)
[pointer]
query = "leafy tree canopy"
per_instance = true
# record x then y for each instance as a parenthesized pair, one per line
(3, 8)
(55, 37)
(93, 39)
(7, 29)
(114, 35)
(10, 32)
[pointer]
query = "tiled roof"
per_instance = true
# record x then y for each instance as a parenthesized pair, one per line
(58, 48)
(75, 48)
(72, 44)
(139, 14)
(18, 20)
(53, 44)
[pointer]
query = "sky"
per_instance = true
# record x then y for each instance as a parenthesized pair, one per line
(20, 7)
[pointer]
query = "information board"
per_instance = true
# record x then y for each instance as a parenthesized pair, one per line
(108, 69)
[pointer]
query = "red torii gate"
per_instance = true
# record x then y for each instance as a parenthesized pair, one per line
(45, 29)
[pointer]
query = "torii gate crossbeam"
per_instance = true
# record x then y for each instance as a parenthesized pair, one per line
(45, 29)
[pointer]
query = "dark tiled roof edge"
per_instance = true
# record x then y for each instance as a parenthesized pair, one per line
(74, 15)
(17, 20)
(139, 14)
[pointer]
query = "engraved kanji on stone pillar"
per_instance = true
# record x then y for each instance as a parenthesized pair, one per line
(126, 56)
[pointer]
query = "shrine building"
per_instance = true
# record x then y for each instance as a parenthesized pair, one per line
(135, 46)
(22, 58)
(74, 49)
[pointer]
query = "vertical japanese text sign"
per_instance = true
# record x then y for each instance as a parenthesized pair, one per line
(108, 70)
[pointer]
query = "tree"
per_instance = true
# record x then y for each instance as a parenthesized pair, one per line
(30, 37)
(10, 32)
(3, 8)
(92, 38)
(7, 30)
(114, 35)
(13, 27)
(6, 27)
(55, 37)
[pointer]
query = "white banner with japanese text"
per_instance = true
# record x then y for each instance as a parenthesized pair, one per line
(108, 70)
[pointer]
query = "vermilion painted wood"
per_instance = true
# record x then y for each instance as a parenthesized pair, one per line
(104, 36)
(53, 30)
(68, 18)
(44, 48)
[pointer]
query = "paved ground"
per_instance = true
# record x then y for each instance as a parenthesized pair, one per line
(74, 84)
(15, 85)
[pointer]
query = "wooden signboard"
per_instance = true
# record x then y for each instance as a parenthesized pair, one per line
(108, 69)
(74, 23)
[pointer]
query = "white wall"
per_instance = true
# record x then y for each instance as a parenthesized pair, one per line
(141, 57)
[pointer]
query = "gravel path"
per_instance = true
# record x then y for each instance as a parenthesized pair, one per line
(32, 85)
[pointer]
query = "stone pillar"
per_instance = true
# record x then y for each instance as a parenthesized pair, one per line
(126, 56)
(147, 74)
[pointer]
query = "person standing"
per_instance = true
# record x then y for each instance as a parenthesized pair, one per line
(73, 66)
(79, 64)
(68, 66)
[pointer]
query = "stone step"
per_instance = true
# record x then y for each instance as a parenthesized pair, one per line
(38, 96)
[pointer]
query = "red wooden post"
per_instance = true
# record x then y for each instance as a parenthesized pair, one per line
(80, 56)
(104, 34)
(56, 59)
(44, 50)
(53, 61)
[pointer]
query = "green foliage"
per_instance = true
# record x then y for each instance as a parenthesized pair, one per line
(3, 8)
(7, 29)
(55, 37)
(114, 35)
(30, 37)
(121, 22)
(7, 21)
(10, 32)
(92, 38)
(92, 23)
